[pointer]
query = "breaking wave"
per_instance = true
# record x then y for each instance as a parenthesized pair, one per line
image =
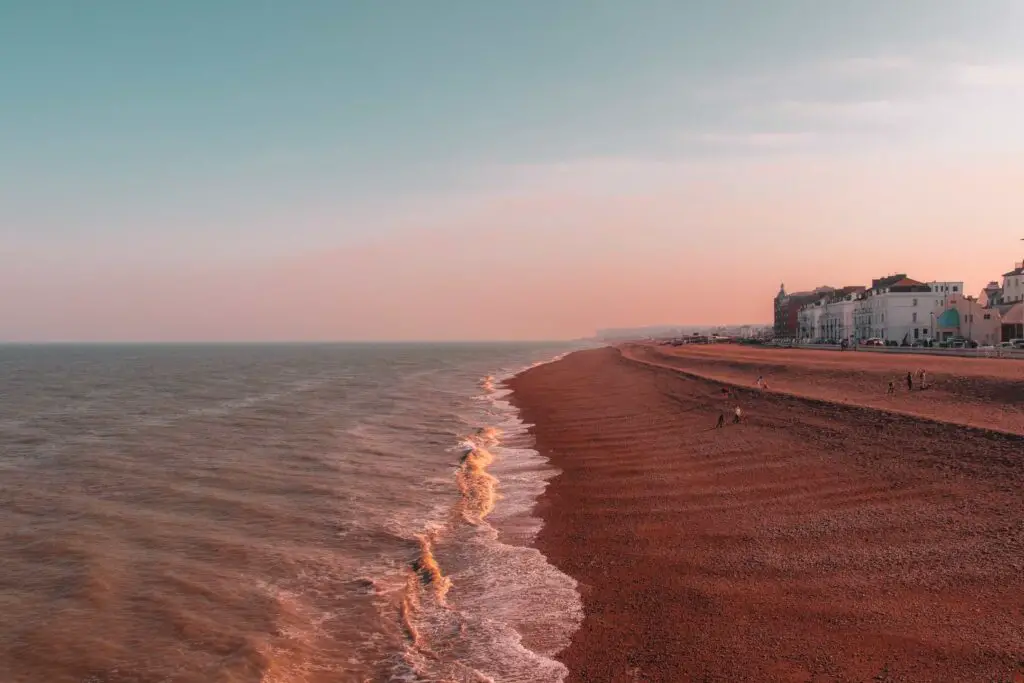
(477, 486)
(475, 607)
(429, 572)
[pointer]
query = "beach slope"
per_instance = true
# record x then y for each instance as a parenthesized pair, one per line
(812, 542)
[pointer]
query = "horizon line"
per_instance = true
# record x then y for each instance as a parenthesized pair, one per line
(297, 342)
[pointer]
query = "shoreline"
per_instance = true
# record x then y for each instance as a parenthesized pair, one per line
(817, 541)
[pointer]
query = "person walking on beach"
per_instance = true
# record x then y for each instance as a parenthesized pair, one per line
(737, 416)
(922, 378)
(760, 382)
(910, 381)
(721, 421)
(892, 388)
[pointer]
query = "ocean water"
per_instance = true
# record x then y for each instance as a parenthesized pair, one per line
(276, 514)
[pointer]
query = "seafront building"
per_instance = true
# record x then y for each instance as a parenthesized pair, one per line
(787, 309)
(899, 309)
(966, 317)
(1013, 285)
(1007, 300)
(831, 316)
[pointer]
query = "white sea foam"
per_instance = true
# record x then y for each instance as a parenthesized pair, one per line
(508, 611)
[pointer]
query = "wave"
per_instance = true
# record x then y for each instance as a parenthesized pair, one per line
(478, 603)
(427, 568)
(409, 607)
(476, 485)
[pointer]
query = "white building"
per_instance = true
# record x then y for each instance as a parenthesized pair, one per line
(947, 288)
(1013, 285)
(951, 293)
(832, 316)
(1006, 303)
(838, 321)
(900, 309)
(809, 320)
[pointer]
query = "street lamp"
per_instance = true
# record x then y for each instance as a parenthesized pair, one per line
(970, 319)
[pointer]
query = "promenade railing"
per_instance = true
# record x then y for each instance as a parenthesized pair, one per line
(996, 352)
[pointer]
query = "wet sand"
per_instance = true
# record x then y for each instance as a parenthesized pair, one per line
(815, 541)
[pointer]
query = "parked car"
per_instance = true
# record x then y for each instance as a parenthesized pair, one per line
(1017, 343)
(874, 341)
(960, 342)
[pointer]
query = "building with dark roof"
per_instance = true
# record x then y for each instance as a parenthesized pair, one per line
(787, 310)
(900, 309)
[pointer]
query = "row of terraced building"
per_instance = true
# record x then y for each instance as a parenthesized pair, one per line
(902, 310)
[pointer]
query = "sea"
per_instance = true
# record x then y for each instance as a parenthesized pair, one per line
(273, 514)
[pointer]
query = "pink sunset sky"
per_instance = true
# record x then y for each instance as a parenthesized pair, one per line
(606, 244)
(672, 166)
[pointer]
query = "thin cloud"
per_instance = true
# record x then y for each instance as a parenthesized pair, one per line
(762, 140)
(855, 111)
(1005, 75)
(800, 77)
(880, 87)
(868, 66)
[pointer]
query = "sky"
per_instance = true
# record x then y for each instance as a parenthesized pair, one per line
(222, 170)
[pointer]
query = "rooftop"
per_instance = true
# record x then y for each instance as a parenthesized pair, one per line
(887, 281)
(898, 283)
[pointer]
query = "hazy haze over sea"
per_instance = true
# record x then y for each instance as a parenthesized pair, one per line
(272, 513)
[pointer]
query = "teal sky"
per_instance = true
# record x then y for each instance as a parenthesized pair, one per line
(201, 138)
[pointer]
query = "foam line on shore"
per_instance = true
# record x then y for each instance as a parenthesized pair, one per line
(460, 594)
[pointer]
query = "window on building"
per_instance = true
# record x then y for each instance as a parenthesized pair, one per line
(915, 302)
(955, 288)
(914, 319)
(988, 316)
